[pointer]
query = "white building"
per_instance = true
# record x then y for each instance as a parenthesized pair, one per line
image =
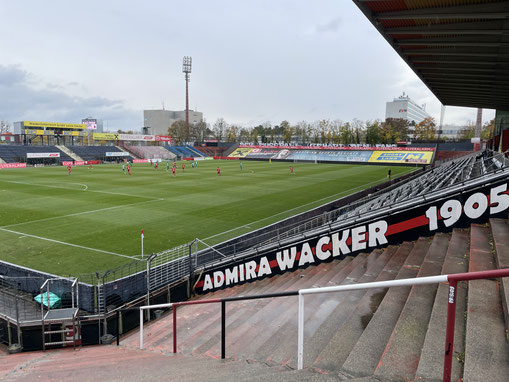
(405, 108)
(157, 122)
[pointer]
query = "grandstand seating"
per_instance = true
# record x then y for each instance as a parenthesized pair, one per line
(386, 334)
(97, 152)
(18, 153)
(184, 151)
(151, 152)
(440, 177)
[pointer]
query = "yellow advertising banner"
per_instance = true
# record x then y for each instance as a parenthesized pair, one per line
(410, 157)
(106, 136)
(241, 152)
(55, 125)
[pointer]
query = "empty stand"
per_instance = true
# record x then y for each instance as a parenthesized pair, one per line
(18, 153)
(184, 151)
(151, 152)
(98, 152)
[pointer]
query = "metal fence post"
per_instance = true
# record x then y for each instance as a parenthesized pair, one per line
(300, 333)
(449, 333)
(223, 329)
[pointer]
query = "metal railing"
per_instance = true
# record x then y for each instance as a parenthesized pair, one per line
(451, 307)
(452, 279)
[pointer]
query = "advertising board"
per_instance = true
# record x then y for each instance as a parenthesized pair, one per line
(43, 155)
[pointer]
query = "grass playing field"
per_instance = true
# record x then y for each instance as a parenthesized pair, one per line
(91, 220)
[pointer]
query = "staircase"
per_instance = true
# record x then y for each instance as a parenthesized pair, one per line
(70, 153)
(130, 152)
(370, 335)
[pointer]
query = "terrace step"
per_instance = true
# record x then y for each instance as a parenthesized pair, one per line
(344, 339)
(246, 341)
(431, 362)
(367, 352)
(486, 349)
(500, 232)
(324, 313)
(66, 150)
(280, 345)
(402, 353)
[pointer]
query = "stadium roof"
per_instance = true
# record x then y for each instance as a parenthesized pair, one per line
(458, 48)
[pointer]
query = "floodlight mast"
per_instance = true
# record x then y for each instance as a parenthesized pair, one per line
(186, 68)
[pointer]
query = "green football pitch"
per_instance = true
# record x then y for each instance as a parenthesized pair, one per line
(91, 220)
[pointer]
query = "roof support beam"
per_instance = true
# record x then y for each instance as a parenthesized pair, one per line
(474, 11)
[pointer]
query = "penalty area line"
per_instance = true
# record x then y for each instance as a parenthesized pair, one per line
(78, 213)
(85, 189)
(68, 244)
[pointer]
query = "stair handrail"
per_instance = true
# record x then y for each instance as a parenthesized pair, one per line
(452, 279)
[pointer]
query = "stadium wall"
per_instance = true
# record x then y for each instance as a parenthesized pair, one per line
(26, 284)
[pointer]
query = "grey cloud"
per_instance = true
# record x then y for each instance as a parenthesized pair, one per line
(20, 101)
(330, 26)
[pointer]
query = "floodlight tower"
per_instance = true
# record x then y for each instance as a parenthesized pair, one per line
(186, 68)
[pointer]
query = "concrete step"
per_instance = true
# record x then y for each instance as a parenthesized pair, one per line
(237, 312)
(281, 346)
(486, 349)
(431, 362)
(344, 339)
(326, 312)
(367, 352)
(246, 340)
(500, 233)
(402, 353)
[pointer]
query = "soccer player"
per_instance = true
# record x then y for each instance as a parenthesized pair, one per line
(156, 165)
(240, 166)
(167, 166)
(389, 174)
(218, 171)
(173, 170)
(129, 169)
(183, 167)
(69, 167)
(192, 164)
(123, 169)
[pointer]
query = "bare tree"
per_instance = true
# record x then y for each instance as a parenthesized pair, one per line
(220, 128)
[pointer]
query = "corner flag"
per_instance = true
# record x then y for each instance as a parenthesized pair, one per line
(142, 244)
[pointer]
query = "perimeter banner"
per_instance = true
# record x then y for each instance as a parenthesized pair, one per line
(473, 206)
(420, 157)
(43, 155)
(13, 165)
(56, 125)
(240, 152)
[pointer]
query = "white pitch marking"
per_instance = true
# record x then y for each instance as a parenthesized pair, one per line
(292, 209)
(69, 244)
(77, 213)
(67, 188)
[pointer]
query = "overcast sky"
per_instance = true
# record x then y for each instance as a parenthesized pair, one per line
(253, 61)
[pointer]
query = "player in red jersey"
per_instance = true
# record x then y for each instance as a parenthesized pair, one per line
(156, 165)
(129, 169)
(183, 167)
(173, 171)
(291, 170)
(69, 167)
(219, 171)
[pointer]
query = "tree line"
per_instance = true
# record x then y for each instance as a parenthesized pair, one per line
(391, 130)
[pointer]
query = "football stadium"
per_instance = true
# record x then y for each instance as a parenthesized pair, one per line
(131, 256)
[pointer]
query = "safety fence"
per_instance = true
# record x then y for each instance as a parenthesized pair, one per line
(452, 279)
